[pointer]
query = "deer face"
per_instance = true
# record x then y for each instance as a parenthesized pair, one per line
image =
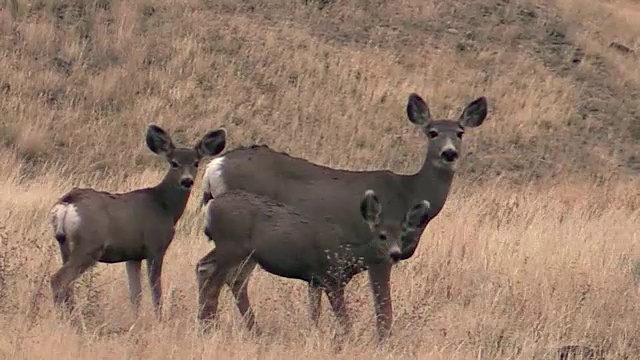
(184, 161)
(386, 235)
(445, 136)
(183, 164)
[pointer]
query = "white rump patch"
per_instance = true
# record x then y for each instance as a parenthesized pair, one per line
(212, 181)
(65, 219)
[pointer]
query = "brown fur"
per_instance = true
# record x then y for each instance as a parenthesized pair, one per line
(250, 229)
(320, 191)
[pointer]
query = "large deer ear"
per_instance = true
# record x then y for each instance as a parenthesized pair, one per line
(418, 110)
(212, 143)
(418, 216)
(370, 208)
(475, 113)
(159, 141)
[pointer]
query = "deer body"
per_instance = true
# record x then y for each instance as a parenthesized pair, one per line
(254, 228)
(316, 189)
(323, 191)
(125, 240)
(95, 226)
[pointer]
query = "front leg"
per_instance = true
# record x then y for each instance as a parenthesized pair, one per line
(238, 280)
(154, 270)
(379, 277)
(135, 287)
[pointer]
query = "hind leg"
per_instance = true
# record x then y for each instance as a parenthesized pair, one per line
(77, 263)
(238, 280)
(211, 274)
(65, 251)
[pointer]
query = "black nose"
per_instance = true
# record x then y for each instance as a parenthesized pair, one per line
(395, 256)
(449, 155)
(186, 182)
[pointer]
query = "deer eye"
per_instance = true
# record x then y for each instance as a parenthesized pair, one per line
(174, 164)
(383, 237)
(432, 134)
(195, 164)
(460, 133)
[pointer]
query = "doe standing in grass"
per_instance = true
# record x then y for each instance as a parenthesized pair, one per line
(321, 191)
(95, 226)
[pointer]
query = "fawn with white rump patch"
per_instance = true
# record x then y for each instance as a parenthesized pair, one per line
(95, 226)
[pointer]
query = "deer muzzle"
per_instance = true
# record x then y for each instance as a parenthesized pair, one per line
(449, 155)
(186, 182)
(395, 254)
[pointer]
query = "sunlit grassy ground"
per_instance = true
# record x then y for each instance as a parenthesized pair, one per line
(537, 246)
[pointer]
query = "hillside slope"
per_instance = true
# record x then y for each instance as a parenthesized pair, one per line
(316, 80)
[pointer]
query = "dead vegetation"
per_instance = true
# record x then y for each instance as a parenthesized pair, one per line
(536, 248)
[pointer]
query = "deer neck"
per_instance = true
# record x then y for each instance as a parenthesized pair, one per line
(431, 183)
(171, 196)
(360, 255)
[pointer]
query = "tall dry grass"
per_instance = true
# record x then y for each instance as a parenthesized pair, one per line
(511, 269)
(498, 275)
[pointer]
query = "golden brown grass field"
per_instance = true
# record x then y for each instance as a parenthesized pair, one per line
(537, 247)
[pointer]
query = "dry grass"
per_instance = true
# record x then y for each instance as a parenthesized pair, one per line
(498, 275)
(536, 248)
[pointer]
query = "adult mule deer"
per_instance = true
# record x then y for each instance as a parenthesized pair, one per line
(246, 226)
(94, 226)
(320, 191)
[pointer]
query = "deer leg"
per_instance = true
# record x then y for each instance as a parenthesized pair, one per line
(64, 253)
(315, 301)
(135, 287)
(379, 276)
(77, 263)
(339, 306)
(64, 250)
(238, 280)
(211, 278)
(154, 270)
